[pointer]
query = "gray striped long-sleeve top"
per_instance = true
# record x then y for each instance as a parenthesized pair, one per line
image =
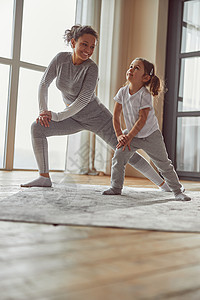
(77, 84)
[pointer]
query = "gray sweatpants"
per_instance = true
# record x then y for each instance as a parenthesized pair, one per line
(94, 117)
(154, 146)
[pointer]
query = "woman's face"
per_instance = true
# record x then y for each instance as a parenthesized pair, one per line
(83, 48)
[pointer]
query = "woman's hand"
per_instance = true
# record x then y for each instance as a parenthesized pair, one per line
(44, 118)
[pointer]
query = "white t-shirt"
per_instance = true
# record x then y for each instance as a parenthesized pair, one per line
(132, 104)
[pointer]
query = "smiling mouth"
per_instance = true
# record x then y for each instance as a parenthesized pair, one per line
(85, 54)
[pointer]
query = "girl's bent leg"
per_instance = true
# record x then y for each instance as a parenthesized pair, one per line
(119, 162)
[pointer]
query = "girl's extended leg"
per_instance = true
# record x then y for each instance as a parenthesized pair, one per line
(154, 146)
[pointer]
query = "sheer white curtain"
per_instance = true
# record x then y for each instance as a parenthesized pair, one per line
(87, 153)
(110, 60)
(81, 146)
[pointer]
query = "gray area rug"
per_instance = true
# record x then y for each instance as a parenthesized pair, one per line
(138, 208)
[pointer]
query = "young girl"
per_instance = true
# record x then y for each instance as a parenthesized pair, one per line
(135, 100)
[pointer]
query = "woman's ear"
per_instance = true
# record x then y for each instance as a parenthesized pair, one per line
(73, 43)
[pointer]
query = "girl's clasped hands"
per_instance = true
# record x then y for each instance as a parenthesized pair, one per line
(123, 140)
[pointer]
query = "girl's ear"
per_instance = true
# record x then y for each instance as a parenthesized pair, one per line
(146, 78)
(73, 43)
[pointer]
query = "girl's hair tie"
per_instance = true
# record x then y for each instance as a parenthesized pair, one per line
(151, 72)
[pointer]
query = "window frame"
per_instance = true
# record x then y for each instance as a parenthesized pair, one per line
(15, 65)
(172, 75)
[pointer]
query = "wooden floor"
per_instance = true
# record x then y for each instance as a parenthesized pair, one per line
(88, 263)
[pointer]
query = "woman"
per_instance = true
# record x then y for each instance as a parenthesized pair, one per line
(76, 77)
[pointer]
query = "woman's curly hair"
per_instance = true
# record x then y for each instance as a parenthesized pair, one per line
(77, 31)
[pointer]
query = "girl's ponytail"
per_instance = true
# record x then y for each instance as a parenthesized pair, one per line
(154, 85)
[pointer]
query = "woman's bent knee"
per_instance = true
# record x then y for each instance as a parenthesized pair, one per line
(36, 130)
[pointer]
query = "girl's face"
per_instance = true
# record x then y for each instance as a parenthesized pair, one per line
(83, 48)
(135, 74)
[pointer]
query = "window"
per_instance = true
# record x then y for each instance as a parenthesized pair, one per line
(35, 30)
(6, 21)
(182, 104)
(44, 24)
(190, 41)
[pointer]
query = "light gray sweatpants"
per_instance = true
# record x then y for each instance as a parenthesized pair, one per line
(154, 146)
(94, 117)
